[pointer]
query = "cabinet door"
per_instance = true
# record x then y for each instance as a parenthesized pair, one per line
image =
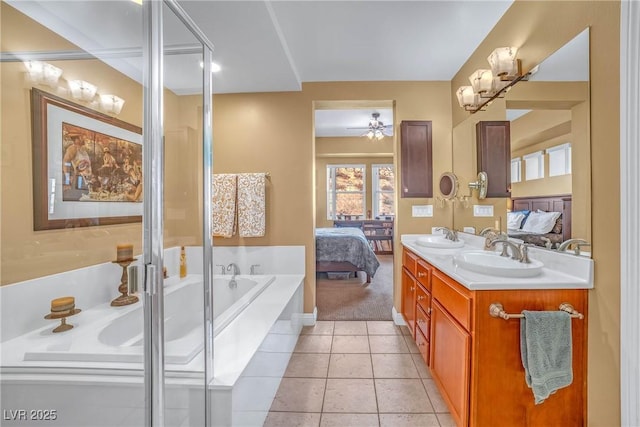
(409, 300)
(493, 142)
(416, 159)
(450, 361)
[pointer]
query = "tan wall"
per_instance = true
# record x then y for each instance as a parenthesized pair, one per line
(540, 28)
(347, 151)
(28, 254)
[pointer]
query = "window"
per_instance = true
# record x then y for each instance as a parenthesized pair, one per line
(533, 166)
(383, 189)
(559, 159)
(516, 170)
(346, 190)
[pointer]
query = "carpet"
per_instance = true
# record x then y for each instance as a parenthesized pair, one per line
(354, 299)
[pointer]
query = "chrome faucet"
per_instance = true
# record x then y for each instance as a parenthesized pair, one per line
(233, 267)
(221, 267)
(491, 235)
(577, 242)
(448, 233)
(515, 250)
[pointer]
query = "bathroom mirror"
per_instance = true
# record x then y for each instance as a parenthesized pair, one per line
(550, 132)
(448, 185)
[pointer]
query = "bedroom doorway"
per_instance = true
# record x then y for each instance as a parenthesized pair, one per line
(354, 194)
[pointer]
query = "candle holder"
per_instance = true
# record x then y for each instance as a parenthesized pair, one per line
(125, 298)
(63, 326)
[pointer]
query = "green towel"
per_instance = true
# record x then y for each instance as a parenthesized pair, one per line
(545, 348)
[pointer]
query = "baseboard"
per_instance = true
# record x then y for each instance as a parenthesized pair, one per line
(309, 319)
(397, 317)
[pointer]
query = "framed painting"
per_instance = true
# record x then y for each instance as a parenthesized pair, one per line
(87, 166)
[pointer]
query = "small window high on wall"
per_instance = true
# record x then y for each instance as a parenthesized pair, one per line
(346, 191)
(383, 189)
(516, 170)
(533, 166)
(559, 159)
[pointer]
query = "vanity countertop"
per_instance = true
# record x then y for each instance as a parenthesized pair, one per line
(560, 271)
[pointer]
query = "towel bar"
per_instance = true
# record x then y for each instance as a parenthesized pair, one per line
(497, 310)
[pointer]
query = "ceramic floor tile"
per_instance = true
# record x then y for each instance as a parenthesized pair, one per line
(350, 328)
(382, 328)
(350, 366)
(402, 396)
(446, 420)
(394, 366)
(349, 420)
(351, 396)
(405, 330)
(423, 369)
(409, 420)
(413, 347)
(350, 344)
(292, 419)
(314, 344)
(388, 344)
(434, 396)
(299, 395)
(322, 327)
(308, 365)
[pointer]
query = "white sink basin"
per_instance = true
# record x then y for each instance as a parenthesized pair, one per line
(438, 241)
(492, 263)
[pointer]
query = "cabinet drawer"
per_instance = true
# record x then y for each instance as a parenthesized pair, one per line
(423, 298)
(423, 345)
(409, 260)
(453, 297)
(423, 274)
(423, 321)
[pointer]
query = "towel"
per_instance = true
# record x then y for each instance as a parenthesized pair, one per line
(545, 348)
(251, 204)
(224, 205)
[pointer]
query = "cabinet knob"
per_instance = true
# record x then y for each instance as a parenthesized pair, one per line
(422, 274)
(429, 310)
(413, 288)
(420, 297)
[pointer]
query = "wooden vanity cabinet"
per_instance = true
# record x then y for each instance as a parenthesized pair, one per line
(416, 300)
(474, 358)
(416, 160)
(409, 285)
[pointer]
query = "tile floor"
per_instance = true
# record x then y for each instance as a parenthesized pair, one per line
(360, 374)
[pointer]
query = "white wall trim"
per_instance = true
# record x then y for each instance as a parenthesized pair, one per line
(629, 212)
(397, 317)
(309, 319)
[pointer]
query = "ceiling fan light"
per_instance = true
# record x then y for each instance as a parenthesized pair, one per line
(503, 61)
(370, 134)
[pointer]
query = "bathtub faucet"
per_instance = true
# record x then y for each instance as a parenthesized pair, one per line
(235, 271)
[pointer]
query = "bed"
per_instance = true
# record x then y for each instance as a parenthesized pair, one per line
(556, 230)
(344, 249)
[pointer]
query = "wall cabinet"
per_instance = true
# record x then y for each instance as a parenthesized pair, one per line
(416, 159)
(474, 358)
(493, 148)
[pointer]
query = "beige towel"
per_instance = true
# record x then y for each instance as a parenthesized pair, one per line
(224, 205)
(251, 204)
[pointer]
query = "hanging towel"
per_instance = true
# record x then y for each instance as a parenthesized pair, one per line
(251, 204)
(224, 205)
(545, 348)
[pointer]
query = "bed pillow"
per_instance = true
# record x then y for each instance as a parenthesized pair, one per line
(514, 220)
(540, 222)
(525, 213)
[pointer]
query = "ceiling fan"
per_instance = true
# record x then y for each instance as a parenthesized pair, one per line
(376, 129)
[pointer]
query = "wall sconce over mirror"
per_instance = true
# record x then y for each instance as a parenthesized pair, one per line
(43, 73)
(111, 104)
(81, 90)
(480, 185)
(489, 84)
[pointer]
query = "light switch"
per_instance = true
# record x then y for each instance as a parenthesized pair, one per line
(422, 210)
(482, 210)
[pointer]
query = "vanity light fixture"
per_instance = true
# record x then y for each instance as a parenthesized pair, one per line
(43, 73)
(82, 90)
(111, 104)
(489, 84)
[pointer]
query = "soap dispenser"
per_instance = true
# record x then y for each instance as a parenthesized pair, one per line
(183, 262)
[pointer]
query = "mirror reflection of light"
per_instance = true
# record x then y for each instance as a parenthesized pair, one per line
(52, 198)
(214, 66)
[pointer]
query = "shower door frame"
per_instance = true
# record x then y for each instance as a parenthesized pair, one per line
(153, 208)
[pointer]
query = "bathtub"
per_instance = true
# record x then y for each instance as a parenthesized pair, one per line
(114, 334)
